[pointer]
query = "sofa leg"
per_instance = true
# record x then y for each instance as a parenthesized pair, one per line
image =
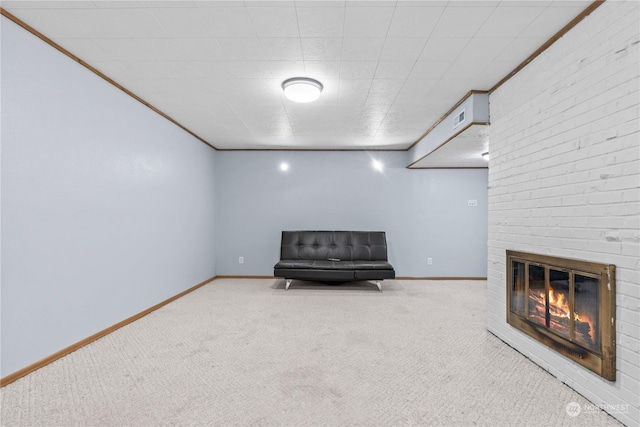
(379, 285)
(287, 283)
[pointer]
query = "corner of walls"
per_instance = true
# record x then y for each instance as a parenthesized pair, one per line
(107, 207)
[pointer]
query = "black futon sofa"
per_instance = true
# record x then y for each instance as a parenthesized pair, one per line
(334, 256)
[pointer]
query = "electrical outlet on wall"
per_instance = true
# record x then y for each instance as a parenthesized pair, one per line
(429, 261)
(472, 203)
(241, 260)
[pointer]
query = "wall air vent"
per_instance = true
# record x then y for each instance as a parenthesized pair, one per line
(458, 119)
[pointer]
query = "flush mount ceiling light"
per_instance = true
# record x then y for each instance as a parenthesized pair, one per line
(485, 155)
(302, 89)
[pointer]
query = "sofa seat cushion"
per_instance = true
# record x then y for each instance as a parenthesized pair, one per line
(317, 274)
(332, 265)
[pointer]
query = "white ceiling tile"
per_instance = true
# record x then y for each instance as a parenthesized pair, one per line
(281, 48)
(418, 85)
(135, 23)
(143, 4)
(300, 4)
(201, 49)
(218, 86)
(362, 48)
(261, 113)
(321, 49)
(215, 3)
(411, 98)
(411, 21)
(429, 70)
(329, 95)
(549, 22)
(461, 21)
(358, 69)
(475, 3)
(186, 69)
(388, 88)
(251, 69)
(270, 3)
(508, 21)
(446, 91)
(241, 48)
(527, 3)
(375, 3)
(372, 120)
(174, 88)
(402, 49)
(184, 22)
(322, 70)
(353, 91)
(492, 74)
(47, 4)
(393, 69)
(142, 49)
(483, 49)
(320, 22)
(265, 92)
(577, 5)
(443, 49)
(274, 21)
(229, 22)
(286, 69)
(221, 70)
(519, 49)
(461, 70)
(367, 21)
(101, 23)
(52, 23)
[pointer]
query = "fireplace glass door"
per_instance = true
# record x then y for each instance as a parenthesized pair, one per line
(585, 320)
(561, 303)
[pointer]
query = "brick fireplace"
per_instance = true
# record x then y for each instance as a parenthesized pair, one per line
(563, 182)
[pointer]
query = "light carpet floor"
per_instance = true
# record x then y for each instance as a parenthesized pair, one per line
(247, 353)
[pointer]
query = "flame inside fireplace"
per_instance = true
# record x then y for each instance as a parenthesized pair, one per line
(560, 315)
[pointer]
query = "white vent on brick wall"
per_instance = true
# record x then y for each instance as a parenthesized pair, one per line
(458, 119)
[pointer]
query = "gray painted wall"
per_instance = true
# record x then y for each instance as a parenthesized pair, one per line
(423, 212)
(107, 208)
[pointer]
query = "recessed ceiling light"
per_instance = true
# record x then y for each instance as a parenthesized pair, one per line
(302, 89)
(284, 166)
(485, 155)
(377, 165)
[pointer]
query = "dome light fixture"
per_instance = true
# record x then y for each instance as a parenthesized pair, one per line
(302, 89)
(485, 155)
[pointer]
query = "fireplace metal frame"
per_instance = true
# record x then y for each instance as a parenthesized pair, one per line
(602, 363)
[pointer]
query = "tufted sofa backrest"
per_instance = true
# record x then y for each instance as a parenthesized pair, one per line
(335, 245)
